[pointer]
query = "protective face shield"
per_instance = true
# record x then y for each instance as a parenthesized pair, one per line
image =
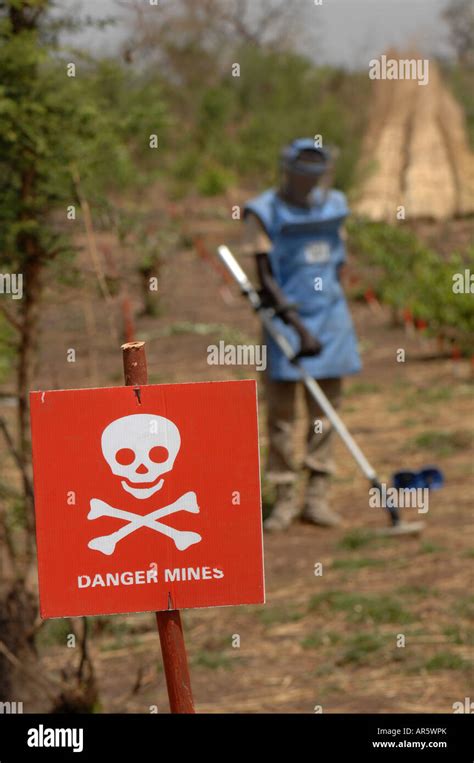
(307, 169)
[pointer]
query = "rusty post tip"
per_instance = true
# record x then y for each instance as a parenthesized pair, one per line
(132, 345)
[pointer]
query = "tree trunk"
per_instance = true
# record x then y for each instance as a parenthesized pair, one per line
(26, 356)
(18, 613)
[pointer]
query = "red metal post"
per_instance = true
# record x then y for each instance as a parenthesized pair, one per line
(175, 661)
(173, 648)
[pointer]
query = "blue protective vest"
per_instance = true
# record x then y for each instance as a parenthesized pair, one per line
(307, 252)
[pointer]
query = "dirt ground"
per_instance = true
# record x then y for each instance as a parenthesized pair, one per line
(321, 641)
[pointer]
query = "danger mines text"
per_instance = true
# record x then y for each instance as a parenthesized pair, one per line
(140, 577)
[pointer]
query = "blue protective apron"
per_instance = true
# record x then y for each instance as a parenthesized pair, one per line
(307, 252)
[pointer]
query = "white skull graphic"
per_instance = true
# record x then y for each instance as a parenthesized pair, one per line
(140, 448)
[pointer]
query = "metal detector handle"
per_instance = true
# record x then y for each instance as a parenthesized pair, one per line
(313, 387)
(318, 395)
(245, 285)
(231, 263)
(267, 315)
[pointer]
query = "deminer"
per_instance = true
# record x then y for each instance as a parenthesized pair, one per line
(295, 233)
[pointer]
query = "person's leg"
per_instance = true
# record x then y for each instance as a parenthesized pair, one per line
(281, 470)
(319, 457)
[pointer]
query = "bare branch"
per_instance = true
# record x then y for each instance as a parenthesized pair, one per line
(34, 676)
(84, 648)
(9, 317)
(17, 458)
(6, 538)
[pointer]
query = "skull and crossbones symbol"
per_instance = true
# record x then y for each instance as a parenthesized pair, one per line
(140, 449)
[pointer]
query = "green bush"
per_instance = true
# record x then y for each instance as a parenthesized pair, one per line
(213, 181)
(406, 274)
(241, 123)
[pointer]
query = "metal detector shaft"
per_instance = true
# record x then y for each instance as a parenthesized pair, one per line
(267, 314)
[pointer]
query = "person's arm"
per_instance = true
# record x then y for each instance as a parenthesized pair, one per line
(257, 243)
(272, 295)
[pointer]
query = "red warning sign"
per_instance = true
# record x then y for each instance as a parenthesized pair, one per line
(147, 499)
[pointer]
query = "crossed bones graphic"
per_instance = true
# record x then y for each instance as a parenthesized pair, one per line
(182, 538)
